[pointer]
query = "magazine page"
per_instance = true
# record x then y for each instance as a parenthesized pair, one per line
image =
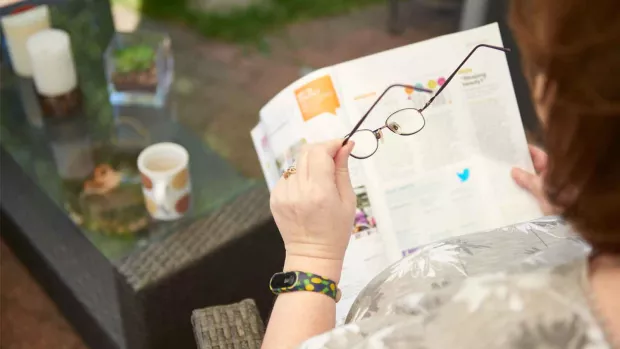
(309, 111)
(265, 155)
(453, 177)
(365, 257)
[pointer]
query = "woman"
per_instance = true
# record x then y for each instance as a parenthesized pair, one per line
(571, 55)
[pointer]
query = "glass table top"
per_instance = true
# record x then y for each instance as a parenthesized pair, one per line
(61, 155)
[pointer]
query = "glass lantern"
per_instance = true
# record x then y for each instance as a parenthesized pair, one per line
(139, 68)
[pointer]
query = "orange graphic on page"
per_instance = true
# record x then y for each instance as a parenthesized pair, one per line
(317, 97)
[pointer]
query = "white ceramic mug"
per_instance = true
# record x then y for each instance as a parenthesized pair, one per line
(166, 186)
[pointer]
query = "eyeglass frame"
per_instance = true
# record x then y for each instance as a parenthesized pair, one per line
(377, 132)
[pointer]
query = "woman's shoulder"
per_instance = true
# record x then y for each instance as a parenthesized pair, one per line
(547, 307)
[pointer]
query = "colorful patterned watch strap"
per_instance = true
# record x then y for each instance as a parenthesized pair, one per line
(312, 283)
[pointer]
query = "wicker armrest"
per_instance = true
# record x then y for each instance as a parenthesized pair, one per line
(233, 326)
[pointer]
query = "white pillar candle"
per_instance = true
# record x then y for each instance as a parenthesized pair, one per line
(51, 58)
(17, 29)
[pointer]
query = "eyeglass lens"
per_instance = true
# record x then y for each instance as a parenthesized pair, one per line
(404, 122)
(366, 144)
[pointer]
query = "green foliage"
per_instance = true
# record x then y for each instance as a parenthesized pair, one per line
(248, 24)
(134, 58)
(90, 26)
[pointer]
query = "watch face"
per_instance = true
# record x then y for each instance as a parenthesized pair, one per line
(281, 280)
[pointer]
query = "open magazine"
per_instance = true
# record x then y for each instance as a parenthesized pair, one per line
(451, 178)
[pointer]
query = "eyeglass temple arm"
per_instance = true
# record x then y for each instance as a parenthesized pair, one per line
(359, 123)
(505, 49)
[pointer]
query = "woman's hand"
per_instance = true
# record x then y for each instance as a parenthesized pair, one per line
(315, 208)
(534, 183)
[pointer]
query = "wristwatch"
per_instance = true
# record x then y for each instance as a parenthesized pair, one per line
(293, 281)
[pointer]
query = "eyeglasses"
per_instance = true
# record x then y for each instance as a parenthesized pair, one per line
(403, 122)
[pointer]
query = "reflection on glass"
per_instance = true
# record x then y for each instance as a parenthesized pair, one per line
(110, 199)
(144, 125)
(28, 97)
(101, 183)
(71, 147)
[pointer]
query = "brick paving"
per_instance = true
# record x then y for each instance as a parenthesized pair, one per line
(28, 318)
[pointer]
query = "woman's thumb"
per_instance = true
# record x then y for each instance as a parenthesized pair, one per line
(341, 161)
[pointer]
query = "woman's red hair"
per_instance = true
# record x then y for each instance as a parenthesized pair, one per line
(576, 45)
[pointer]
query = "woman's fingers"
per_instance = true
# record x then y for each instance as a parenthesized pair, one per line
(326, 165)
(301, 164)
(278, 194)
(332, 147)
(534, 184)
(539, 158)
(527, 181)
(314, 207)
(313, 153)
(320, 161)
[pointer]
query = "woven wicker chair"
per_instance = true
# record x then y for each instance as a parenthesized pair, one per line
(233, 326)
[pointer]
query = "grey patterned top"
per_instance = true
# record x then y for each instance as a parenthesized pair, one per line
(524, 286)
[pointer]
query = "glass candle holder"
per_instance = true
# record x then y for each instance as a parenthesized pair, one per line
(139, 68)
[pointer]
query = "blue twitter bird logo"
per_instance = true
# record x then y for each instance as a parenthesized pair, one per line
(463, 175)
